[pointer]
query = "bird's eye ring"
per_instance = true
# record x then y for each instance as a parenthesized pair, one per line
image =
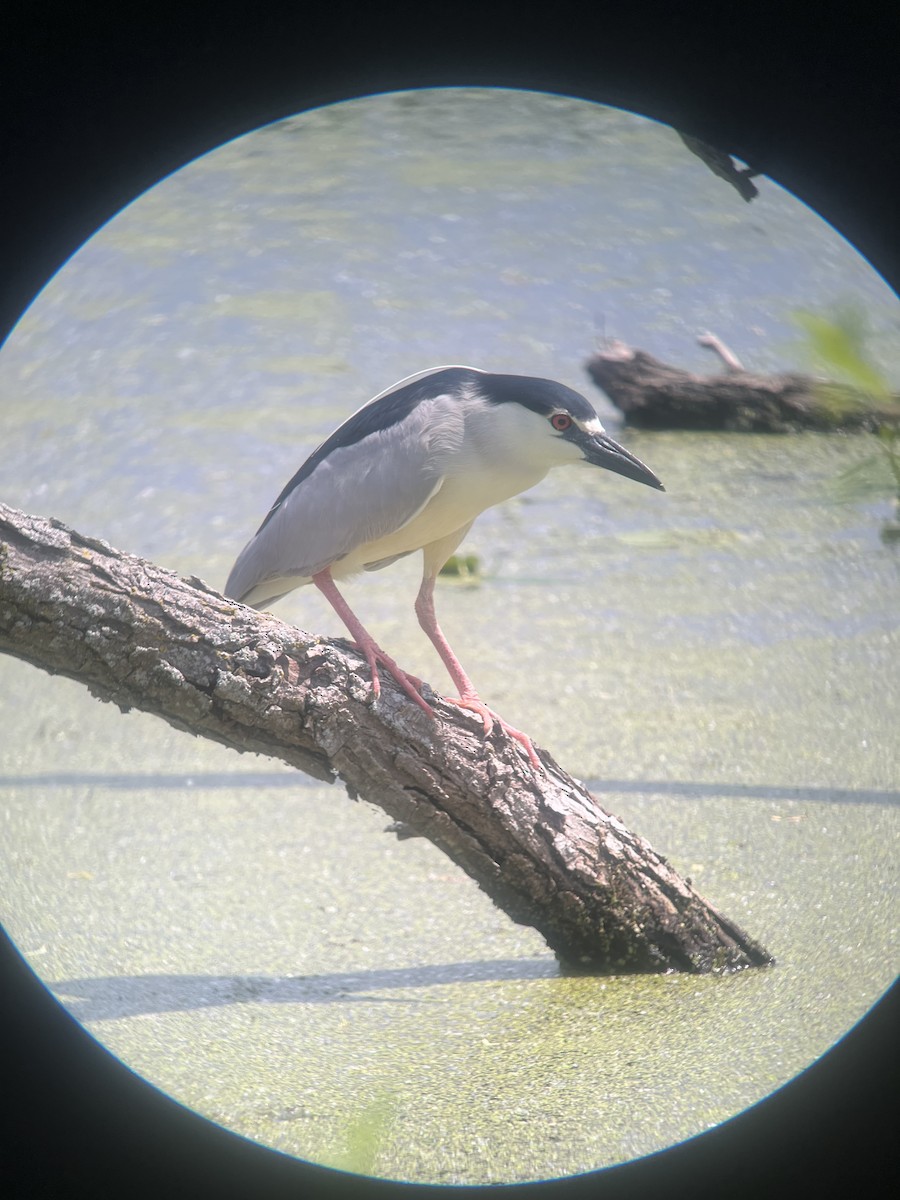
(561, 422)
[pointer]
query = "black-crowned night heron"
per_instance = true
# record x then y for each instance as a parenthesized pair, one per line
(411, 470)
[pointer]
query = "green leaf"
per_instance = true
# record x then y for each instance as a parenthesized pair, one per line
(364, 1135)
(838, 346)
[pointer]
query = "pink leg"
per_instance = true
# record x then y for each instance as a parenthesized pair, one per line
(366, 643)
(468, 697)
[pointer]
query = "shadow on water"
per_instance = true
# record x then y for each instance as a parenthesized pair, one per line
(112, 997)
(210, 780)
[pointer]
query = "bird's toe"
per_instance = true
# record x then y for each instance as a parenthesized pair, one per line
(492, 720)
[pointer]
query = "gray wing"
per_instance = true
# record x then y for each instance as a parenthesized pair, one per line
(358, 493)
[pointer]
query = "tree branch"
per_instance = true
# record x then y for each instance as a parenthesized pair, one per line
(723, 165)
(538, 844)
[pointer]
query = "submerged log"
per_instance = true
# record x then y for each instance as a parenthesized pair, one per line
(654, 395)
(538, 844)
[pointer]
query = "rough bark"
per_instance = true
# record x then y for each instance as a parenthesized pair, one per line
(653, 395)
(538, 844)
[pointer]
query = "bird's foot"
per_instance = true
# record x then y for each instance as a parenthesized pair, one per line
(491, 719)
(412, 686)
(409, 683)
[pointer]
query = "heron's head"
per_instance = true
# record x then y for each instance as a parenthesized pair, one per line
(551, 424)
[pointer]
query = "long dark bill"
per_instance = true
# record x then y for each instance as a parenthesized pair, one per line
(602, 451)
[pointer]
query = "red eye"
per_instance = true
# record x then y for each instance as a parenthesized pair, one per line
(561, 422)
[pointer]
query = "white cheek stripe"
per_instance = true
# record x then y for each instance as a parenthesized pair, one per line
(592, 426)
